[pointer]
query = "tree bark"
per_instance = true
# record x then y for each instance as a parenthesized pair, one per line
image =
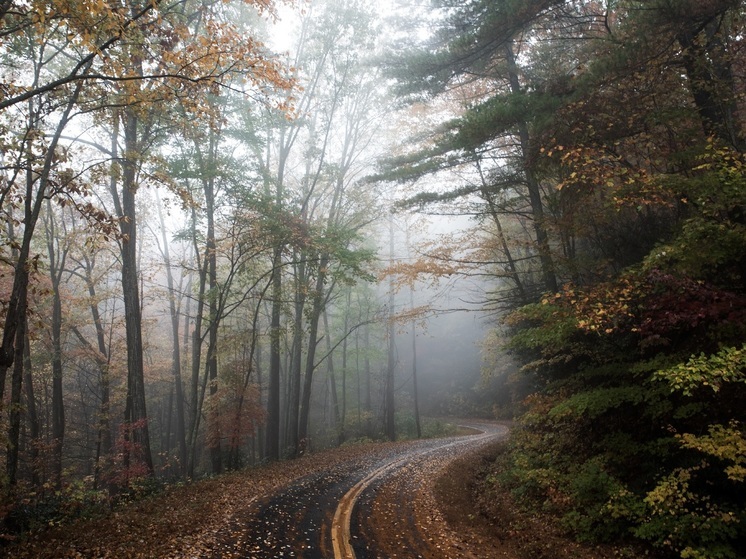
(56, 265)
(532, 183)
(367, 371)
(14, 430)
(272, 433)
(208, 184)
(176, 348)
(389, 417)
(336, 408)
(296, 367)
(711, 80)
(313, 341)
(135, 412)
(32, 415)
(194, 397)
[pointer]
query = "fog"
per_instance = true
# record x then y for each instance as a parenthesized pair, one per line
(443, 342)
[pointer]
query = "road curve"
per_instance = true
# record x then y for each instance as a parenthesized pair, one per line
(364, 541)
(397, 516)
(339, 512)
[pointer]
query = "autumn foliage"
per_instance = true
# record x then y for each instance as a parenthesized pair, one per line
(602, 145)
(180, 209)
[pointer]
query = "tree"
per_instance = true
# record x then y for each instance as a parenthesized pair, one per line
(122, 69)
(636, 362)
(317, 222)
(474, 50)
(612, 133)
(57, 252)
(389, 404)
(40, 182)
(173, 308)
(215, 58)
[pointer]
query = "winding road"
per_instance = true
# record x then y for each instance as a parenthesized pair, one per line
(374, 507)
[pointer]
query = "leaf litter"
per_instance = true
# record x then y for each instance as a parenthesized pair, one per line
(204, 518)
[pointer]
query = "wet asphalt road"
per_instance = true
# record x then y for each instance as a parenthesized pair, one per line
(296, 521)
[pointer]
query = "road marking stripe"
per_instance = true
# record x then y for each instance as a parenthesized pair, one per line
(341, 536)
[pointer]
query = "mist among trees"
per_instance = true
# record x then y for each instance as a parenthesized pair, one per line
(242, 231)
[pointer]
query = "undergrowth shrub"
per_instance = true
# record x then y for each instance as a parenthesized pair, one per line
(34, 511)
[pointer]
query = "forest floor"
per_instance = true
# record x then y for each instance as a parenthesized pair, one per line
(491, 525)
(192, 520)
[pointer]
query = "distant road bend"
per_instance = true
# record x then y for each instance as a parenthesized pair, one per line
(374, 507)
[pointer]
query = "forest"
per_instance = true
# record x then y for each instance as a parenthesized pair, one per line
(232, 230)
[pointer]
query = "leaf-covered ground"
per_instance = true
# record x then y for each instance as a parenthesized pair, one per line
(195, 519)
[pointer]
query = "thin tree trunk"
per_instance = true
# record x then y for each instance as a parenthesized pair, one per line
(358, 389)
(415, 389)
(272, 445)
(313, 330)
(208, 187)
(343, 410)
(389, 421)
(166, 421)
(14, 430)
(297, 360)
(259, 437)
(368, 389)
(31, 411)
(176, 347)
(56, 265)
(336, 412)
(196, 353)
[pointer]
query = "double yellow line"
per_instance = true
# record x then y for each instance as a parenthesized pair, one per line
(341, 537)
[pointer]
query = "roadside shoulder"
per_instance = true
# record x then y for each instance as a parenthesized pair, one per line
(491, 524)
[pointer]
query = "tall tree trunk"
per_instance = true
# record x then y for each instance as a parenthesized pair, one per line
(135, 413)
(56, 265)
(367, 373)
(313, 331)
(415, 388)
(175, 347)
(534, 190)
(343, 410)
(358, 384)
(194, 397)
(260, 436)
(389, 417)
(336, 410)
(296, 367)
(14, 430)
(272, 433)
(212, 344)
